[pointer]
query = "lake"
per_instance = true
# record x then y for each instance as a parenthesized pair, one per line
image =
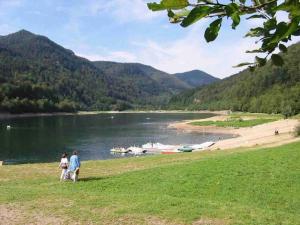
(43, 139)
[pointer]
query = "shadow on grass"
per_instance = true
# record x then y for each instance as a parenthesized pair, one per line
(87, 179)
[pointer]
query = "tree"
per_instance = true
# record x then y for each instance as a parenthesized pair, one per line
(272, 35)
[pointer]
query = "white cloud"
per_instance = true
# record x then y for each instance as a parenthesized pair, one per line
(188, 53)
(192, 52)
(123, 10)
(116, 56)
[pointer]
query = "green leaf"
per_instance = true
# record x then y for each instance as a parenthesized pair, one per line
(196, 14)
(270, 24)
(277, 60)
(297, 32)
(243, 64)
(168, 4)
(255, 32)
(292, 7)
(171, 13)
(293, 26)
(212, 31)
(282, 48)
(257, 17)
(255, 51)
(235, 19)
(231, 9)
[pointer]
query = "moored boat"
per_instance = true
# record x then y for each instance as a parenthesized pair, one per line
(136, 150)
(119, 150)
(202, 146)
(158, 147)
(185, 149)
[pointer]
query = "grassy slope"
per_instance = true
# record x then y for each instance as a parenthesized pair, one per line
(239, 119)
(234, 187)
(233, 123)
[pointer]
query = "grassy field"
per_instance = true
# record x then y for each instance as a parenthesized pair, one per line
(241, 186)
(256, 115)
(241, 119)
(236, 123)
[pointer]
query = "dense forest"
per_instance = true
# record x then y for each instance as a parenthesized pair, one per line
(269, 89)
(38, 75)
(196, 78)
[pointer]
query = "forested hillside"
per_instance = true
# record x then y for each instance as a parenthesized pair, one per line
(270, 89)
(37, 75)
(196, 78)
(143, 75)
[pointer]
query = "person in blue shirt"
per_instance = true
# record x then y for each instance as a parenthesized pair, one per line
(74, 166)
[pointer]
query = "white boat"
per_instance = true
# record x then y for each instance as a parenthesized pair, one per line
(158, 147)
(119, 150)
(202, 146)
(164, 147)
(136, 150)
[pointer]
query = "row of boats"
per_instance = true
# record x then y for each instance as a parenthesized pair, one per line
(163, 149)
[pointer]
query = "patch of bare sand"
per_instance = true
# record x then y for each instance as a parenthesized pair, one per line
(16, 215)
(133, 220)
(261, 135)
(206, 221)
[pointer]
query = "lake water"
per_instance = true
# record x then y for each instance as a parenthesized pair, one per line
(43, 139)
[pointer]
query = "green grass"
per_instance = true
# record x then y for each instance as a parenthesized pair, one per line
(261, 186)
(256, 115)
(233, 122)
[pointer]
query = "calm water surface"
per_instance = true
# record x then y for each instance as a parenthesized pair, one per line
(43, 139)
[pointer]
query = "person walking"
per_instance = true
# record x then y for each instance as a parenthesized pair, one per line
(74, 166)
(64, 166)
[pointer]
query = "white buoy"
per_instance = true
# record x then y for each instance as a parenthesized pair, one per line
(8, 127)
(112, 117)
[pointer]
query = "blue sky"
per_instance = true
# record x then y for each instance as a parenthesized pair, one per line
(126, 31)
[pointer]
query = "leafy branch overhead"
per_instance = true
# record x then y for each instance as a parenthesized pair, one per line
(271, 35)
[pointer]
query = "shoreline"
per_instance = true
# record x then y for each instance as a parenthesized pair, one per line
(256, 136)
(84, 113)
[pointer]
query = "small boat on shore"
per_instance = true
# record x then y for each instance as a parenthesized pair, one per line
(185, 149)
(119, 150)
(158, 147)
(203, 145)
(136, 150)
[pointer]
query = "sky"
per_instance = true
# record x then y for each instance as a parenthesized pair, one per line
(126, 31)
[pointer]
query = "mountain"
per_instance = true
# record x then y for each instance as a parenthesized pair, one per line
(142, 75)
(196, 78)
(38, 75)
(270, 89)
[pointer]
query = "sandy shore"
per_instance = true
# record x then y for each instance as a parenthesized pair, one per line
(261, 135)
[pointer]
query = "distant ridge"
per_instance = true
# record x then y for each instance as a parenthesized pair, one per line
(196, 78)
(38, 75)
